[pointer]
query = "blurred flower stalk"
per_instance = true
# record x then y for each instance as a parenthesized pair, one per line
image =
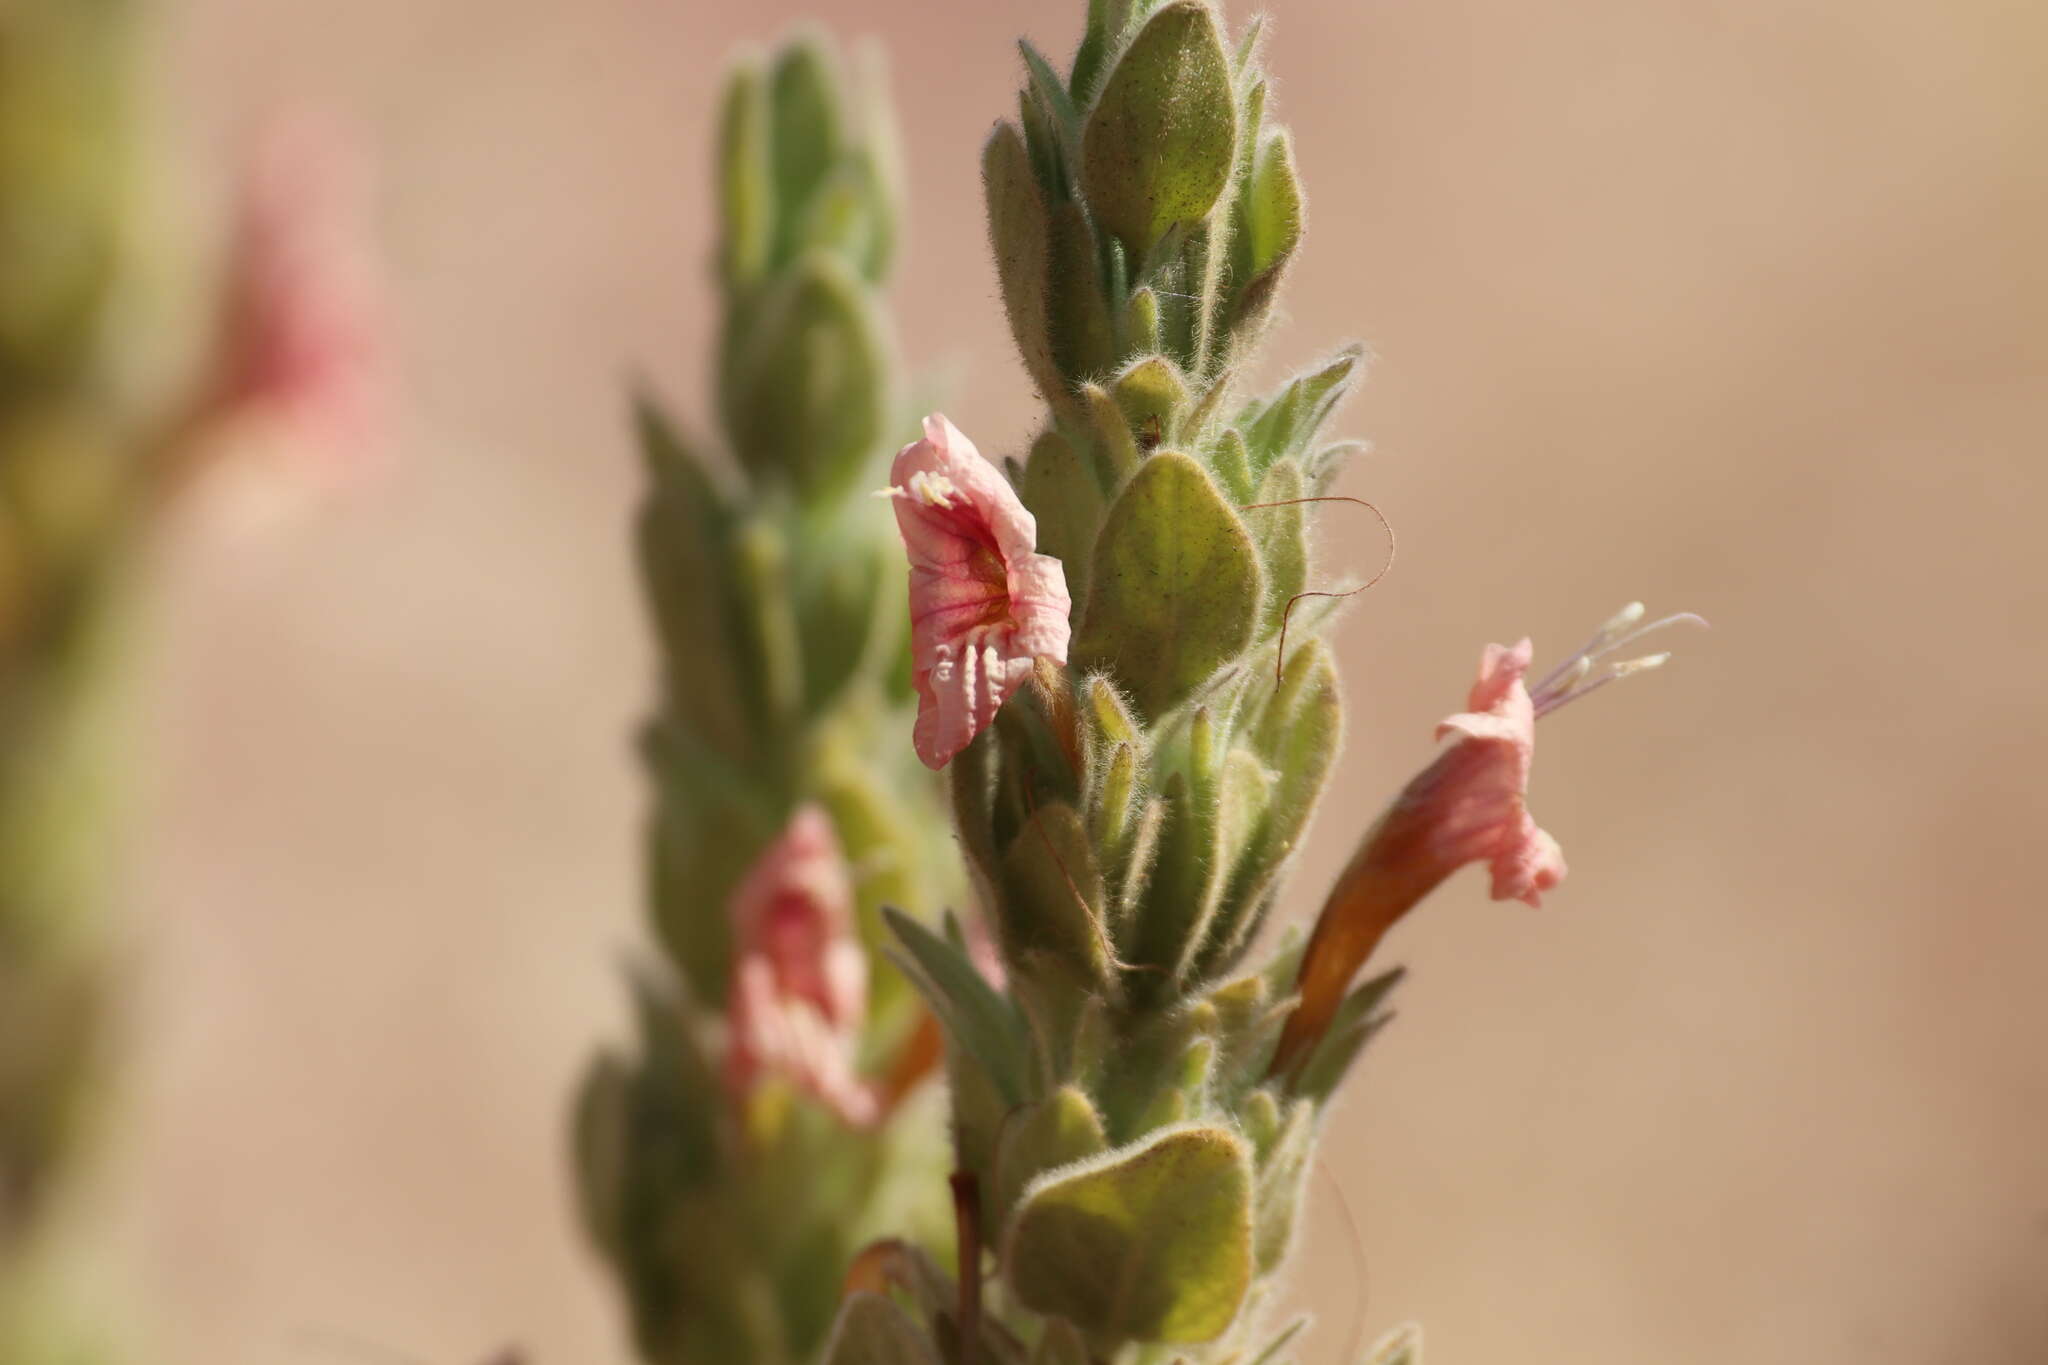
(770, 1119)
(90, 459)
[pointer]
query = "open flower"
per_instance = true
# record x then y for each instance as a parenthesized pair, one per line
(1470, 805)
(983, 603)
(799, 984)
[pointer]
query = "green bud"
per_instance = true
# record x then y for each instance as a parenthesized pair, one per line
(746, 177)
(1052, 894)
(1153, 397)
(1233, 466)
(1283, 1170)
(1057, 1131)
(1116, 450)
(1259, 1117)
(1151, 1242)
(805, 384)
(805, 105)
(1175, 586)
(1160, 142)
(1140, 323)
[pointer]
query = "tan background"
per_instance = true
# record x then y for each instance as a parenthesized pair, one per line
(1741, 307)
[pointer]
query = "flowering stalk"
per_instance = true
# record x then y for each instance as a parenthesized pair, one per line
(1120, 658)
(730, 1165)
(85, 469)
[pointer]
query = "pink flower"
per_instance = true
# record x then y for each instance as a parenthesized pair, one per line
(799, 985)
(303, 361)
(1470, 805)
(983, 604)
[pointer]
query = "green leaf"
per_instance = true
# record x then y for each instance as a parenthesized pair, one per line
(806, 379)
(1160, 143)
(1052, 894)
(1281, 532)
(1285, 426)
(1057, 1131)
(1267, 222)
(1052, 93)
(1299, 734)
(1083, 341)
(1151, 1242)
(1283, 1170)
(978, 1021)
(746, 178)
(1020, 235)
(1175, 587)
(1354, 1025)
(872, 1330)
(1066, 499)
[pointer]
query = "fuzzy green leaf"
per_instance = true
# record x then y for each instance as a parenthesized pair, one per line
(1152, 1242)
(1175, 587)
(1019, 233)
(1057, 1131)
(1083, 339)
(1066, 499)
(978, 1021)
(1160, 142)
(1283, 1170)
(1280, 526)
(1052, 893)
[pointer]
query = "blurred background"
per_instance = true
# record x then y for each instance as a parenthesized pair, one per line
(1742, 308)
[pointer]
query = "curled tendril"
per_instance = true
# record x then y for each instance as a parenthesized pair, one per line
(1280, 655)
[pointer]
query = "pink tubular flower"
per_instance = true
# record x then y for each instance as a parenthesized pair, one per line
(983, 603)
(799, 984)
(1470, 805)
(303, 362)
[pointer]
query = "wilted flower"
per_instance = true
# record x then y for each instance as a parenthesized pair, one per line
(983, 603)
(1470, 805)
(799, 984)
(303, 362)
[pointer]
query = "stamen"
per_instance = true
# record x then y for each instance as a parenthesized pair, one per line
(1578, 675)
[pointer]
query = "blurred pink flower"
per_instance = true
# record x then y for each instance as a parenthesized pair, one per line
(1469, 805)
(303, 362)
(983, 603)
(799, 986)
